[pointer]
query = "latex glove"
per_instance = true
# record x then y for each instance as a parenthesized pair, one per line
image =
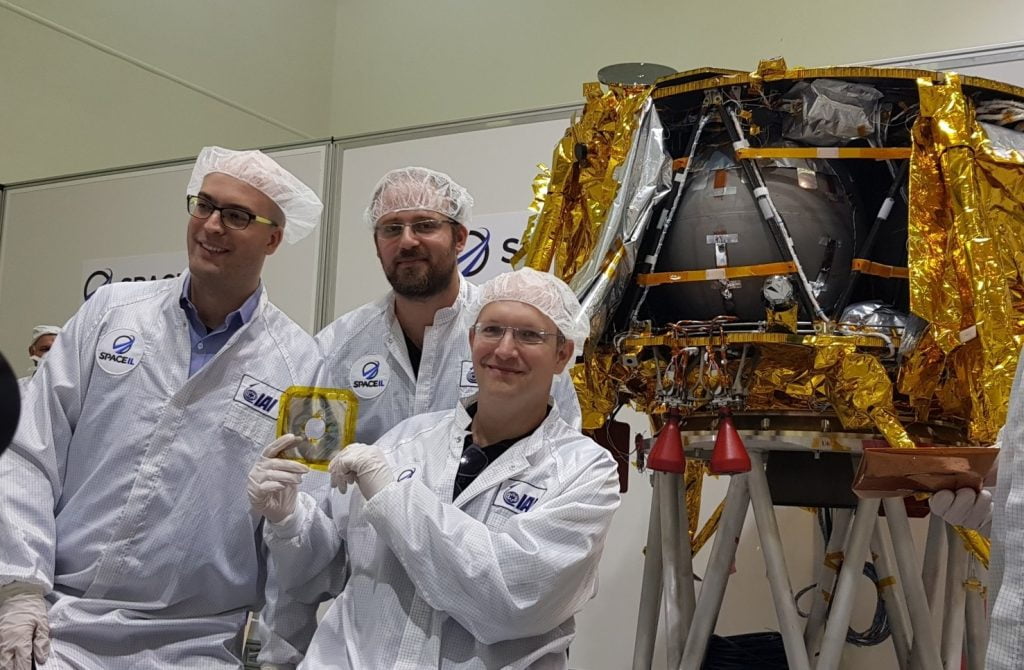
(274, 482)
(362, 464)
(966, 507)
(24, 631)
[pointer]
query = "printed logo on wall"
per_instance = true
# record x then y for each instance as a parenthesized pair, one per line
(492, 241)
(97, 272)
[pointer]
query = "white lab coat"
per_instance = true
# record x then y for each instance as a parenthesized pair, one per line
(371, 333)
(371, 336)
(1006, 574)
(492, 580)
(125, 484)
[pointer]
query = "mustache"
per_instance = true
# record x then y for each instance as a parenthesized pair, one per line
(411, 256)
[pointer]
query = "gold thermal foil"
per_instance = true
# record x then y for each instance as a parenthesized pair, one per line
(596, 388)
(707, 530)
(584, 179)
(693, 480)
(920, 374)
(964, 226)
(976, 544)
(782, 371)
(784, 319)
(541, 184)
(859, 389)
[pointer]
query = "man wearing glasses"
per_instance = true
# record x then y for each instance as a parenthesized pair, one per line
(475, 533)
(126, 541)
(405, 353)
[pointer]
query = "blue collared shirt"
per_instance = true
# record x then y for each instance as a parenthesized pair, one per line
(206, 343)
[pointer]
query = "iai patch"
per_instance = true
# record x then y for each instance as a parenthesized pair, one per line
(258, 396)
(518, 496)
(120, 351)
(468, 377)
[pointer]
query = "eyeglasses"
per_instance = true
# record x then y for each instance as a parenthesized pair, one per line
(421, 228)
(231, 217)
(472, 463)
(495, 333)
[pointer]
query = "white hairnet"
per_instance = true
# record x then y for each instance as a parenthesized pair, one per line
(411, 188)
(41, 330)
(299, 203)
(546, 292)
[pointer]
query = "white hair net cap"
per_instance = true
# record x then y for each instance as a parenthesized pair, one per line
(41, 330)
(412, 188)
(301, 206)
(541, 290)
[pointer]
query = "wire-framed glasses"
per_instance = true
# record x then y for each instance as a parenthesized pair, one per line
(421, 228)
(495, 332)
(231, 217)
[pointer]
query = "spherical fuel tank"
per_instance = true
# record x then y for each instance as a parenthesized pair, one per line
(718, 225)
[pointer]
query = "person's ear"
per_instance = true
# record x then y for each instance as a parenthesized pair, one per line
(460, 235)
(564, 354)
(276, 235)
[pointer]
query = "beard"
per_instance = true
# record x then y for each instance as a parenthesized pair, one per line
(421, 280)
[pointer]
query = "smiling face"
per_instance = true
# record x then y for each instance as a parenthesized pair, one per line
(420, 266)
(227, 257)
(509, 369)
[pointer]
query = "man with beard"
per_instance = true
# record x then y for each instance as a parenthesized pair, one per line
(405, 353)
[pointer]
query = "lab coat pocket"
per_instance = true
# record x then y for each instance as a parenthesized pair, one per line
(497, 518)
(251, 425)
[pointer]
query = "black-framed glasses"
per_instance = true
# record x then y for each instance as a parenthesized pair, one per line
(231, 217)
(473, 461)
(421, 228)
(494, 333)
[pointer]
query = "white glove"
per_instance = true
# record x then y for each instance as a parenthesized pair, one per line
(24, 630)
(362, 464)
(967, 507)
(274, 482)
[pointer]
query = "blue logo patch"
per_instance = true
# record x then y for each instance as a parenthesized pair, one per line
(258, 396)
(518, 496)
(371, 369)
(123, 344)
(406, 474)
